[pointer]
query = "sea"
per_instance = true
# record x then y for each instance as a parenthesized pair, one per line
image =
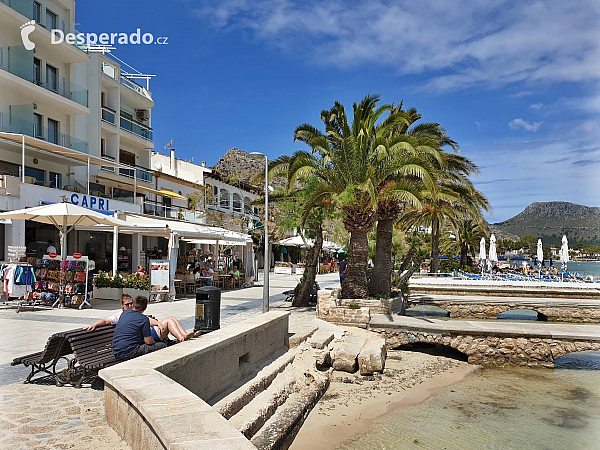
(502, 408)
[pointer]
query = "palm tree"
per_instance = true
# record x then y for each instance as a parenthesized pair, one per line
(357, 162)
(452, 198)
(422, 141)
(468, 235)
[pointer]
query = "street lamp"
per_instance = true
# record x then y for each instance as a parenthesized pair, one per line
(266, 268)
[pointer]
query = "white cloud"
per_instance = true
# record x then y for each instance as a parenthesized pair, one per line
(474, 44)
(478, 125)
(520, 94)
(536, 106)
(515, 124)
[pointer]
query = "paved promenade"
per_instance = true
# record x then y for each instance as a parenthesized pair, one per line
(42, 416)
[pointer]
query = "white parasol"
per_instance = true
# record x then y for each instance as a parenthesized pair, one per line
(540, 253)
(482, 253)
(564, 253)
(492, 257)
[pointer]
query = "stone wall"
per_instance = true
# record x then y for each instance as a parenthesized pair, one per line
(158, 400)
(332, 308)
(505, 291)
(495, 351)
(555, 313)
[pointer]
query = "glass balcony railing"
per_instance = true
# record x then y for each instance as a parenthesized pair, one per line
(136, 128)
(140, 174)
(24, 7)
(20, 63)
(108, 116)
(135, 87)
(21, 126)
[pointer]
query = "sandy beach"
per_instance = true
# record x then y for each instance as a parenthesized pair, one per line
(352, 402)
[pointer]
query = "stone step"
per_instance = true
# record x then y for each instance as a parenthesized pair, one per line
(302, 335)
(345, 352)
(320, 339)
(236, 400)
(372, 356)
(281, 429)
(254, 415)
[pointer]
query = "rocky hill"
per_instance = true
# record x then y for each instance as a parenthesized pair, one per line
(550, 220)
(238, 165)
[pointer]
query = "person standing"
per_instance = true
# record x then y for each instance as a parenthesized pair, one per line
(342, 269)
(132, 337)
(51, 248)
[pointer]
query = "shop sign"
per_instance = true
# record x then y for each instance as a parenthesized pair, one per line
(89, 201)
(76, 255)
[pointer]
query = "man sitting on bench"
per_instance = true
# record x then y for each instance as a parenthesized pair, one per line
(132, 337)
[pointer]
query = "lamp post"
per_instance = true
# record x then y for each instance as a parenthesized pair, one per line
(266, 268)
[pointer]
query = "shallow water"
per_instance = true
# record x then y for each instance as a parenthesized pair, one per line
(501, 408)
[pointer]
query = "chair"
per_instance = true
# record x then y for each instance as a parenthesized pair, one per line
(30, 180)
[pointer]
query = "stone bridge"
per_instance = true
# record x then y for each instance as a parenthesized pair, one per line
(482, 307)
(491, 343)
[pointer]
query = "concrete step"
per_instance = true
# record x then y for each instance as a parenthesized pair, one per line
(302, 335)
(254, 415)
(238, 399)
(281, 429)
(320, 339)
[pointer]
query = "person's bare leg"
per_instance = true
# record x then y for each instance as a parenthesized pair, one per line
(174, 327)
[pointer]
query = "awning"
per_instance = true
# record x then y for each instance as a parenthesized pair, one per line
(212, 242)
(57, 150)
(162, 192)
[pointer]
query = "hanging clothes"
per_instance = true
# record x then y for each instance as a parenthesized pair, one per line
(17, 279)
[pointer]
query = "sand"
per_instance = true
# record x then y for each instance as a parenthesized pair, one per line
(352, 402)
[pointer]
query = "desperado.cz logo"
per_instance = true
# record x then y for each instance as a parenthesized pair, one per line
(94, 42)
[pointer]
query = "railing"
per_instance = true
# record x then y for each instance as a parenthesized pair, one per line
(108, 115)
(140, 174)
(135, 87)
(24, 68)
(173, 212)
(135, 128)
(21, 126)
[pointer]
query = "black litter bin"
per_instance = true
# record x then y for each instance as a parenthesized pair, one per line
(208, 309)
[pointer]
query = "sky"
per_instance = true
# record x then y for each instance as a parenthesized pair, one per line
(516, 83)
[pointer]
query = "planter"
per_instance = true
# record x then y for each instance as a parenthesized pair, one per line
(135, 292)
(108, 293)
(299, 270)
(283, 270)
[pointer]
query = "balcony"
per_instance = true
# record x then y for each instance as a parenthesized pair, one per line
(136, 128)
(23, 67)
(21, 126)
(140, 174)
(159, 209)
(128, 82)
(108, 115)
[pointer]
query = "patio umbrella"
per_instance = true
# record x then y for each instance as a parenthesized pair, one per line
(64, 216)
(492, 257)
(540, 252)
(482, 253)
(564, 253)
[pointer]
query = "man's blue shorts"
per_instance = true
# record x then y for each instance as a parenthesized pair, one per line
(154, 335)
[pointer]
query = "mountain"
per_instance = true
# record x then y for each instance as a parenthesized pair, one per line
(550, 220)
(238, 165)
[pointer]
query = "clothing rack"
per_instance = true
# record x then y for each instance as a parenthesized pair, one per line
(22, 287)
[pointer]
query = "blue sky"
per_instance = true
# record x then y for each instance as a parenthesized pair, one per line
(517, 84)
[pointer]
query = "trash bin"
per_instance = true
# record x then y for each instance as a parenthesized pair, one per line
(208, 309)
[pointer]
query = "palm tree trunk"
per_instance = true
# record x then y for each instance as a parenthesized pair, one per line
(355, 284)
(407, 259)
(381, 280)
(435, 247)
(302, 298)
(463, 256)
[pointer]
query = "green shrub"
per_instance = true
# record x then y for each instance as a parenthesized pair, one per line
(102, 280)
(118, 282)
(449, 265)
(134, 281)
(354, 306)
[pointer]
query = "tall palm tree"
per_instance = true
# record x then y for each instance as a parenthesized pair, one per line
(452, 198)
(468, 235)
(423, 141)
(358, 160)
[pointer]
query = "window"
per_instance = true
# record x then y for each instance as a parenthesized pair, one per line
(55, 180)
(248, 206)
(126, 157)
(7, 168)
(103, 99)
(52, 77)
(237, 203)
(53, 130)
(102, 147)
(38, 126)
(37, 12)
(37, 71)
(51, 19)
(224, 201)
(38, 174)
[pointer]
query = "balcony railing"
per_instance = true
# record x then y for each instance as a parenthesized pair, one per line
(108, 115)
(140, 174)
(135, 87)
(136, 128)
(21, 126)
(24, 68)
(173, 212)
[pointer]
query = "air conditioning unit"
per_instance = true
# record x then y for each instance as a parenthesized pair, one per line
(142, 114)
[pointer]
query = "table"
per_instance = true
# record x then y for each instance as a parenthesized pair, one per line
(205, 280)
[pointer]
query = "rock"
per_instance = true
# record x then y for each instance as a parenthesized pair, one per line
(345, 352)
(323, 359)
(302, 335)
(372, 357)
(320, 339)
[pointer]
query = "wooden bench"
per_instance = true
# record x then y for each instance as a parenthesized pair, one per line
(45, 361)
(92, 351)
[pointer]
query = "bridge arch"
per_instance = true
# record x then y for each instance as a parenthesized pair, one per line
(426, 310)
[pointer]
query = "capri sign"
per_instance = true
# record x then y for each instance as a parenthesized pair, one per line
(88, 201)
